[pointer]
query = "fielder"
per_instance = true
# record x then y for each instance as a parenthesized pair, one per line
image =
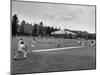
(59, 43)
(92, 42)
(81, 42)
(21, 48)
(33, 43)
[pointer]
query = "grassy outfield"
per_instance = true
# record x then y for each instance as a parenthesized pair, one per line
(61, 60)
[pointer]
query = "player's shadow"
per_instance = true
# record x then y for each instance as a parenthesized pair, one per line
(18, 59)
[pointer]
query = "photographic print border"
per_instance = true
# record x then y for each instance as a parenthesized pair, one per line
(51, 3)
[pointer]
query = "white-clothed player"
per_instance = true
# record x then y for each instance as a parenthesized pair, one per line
(59, 43)
(81, 42)
(92, 42)
(21, 48)
(33, 43)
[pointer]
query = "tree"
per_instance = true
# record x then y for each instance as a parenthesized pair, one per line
(28, 29)
(35, 30)
(41, 29)
(14, 24)
(22, 27)
(48, 30)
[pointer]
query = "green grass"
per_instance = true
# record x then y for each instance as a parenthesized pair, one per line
(51, 61)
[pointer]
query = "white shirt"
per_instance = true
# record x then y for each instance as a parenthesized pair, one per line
(21, 47)
(33, 42)
(20, 42)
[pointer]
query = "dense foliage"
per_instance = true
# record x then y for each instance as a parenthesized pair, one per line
(41, 30)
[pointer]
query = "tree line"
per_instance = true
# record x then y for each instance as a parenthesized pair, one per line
(25, 28)
(78, 34)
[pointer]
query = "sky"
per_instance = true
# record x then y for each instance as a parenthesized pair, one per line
(73, 17)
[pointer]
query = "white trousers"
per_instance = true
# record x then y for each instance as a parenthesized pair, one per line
(23, 51)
